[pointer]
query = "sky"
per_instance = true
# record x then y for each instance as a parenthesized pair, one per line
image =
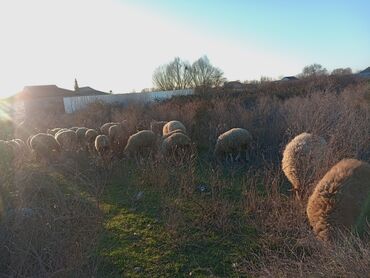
(117, 44)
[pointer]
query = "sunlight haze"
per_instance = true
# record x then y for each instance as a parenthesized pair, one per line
(116, 45)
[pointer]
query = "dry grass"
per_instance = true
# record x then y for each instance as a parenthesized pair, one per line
(257, 227)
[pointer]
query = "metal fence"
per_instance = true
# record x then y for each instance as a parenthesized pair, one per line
(73, 104)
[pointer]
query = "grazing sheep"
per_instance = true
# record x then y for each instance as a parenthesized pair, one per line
(105, 127)
(173, 125)
(118, 135)
(67, 140)
(302, 157)
(233, 143)
(80, 132)
(173, 132)
(90, 136)
(341, 200)
(157, 127)
(177, 141)
(61, 130)
(142, 142)
(53, 131)
(44, 146)
(102, 145)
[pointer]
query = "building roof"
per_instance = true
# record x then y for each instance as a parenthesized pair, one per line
(88, 91)
(365, 72)
(289, 78)
(43, 91)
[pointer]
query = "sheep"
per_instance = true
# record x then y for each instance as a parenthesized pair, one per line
(118, 135)
(61, 130)
(157, 127)
(104, 129)
(80, 132)
(68, 140)
(301, 158)
(90, 136)
(173, 125)
(53, 131)
(341, 200)
(140, 143)
(233, 142)
(175, 142)
(44, 146)
(173, 132)
(102, 145)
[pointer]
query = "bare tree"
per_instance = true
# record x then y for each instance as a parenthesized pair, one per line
(341, 71)
(313, 70)
(204, 74)
(173, 76)
(179, 74)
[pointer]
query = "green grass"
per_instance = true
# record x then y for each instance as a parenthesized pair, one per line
(142, 240)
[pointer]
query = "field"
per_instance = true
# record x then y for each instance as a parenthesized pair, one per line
(191, 216)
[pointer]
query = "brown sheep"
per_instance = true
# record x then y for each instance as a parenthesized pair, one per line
(341, 199)
(233, 143)
(141, 143)
(302, 157)
(173, 125)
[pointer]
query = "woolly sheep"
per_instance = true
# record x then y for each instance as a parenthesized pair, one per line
(80, 132)
(105, 127)
(53, 131)
(68, 140)
(302, 156)
(141, 142)
(44, 145)
(157, 127)
(118, 135)
(174, 142)
(90, 136)
(173, 132)
(232, 142)
(102, 145)
(61, 130)
(173, 125)
(341, 199)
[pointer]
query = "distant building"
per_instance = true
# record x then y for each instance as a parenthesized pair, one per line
(236, 86)
(48, 99)
(365, 73)
(289, 78)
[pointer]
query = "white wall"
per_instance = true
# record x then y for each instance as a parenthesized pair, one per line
(73, 104)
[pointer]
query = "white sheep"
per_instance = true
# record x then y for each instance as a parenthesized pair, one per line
(44, 146)
(102, 145)
(173, 125)
(67, 140)
(302, 158)
(175, 142)
(141, 143)
(234, 143)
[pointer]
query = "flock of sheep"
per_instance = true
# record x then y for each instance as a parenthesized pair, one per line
(339, 200)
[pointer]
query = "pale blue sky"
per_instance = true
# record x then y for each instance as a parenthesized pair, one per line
(117, 44)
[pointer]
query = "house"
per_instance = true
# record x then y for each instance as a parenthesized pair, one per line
(289, 78)
(235, 86)
(365, 73)
(48, 99)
